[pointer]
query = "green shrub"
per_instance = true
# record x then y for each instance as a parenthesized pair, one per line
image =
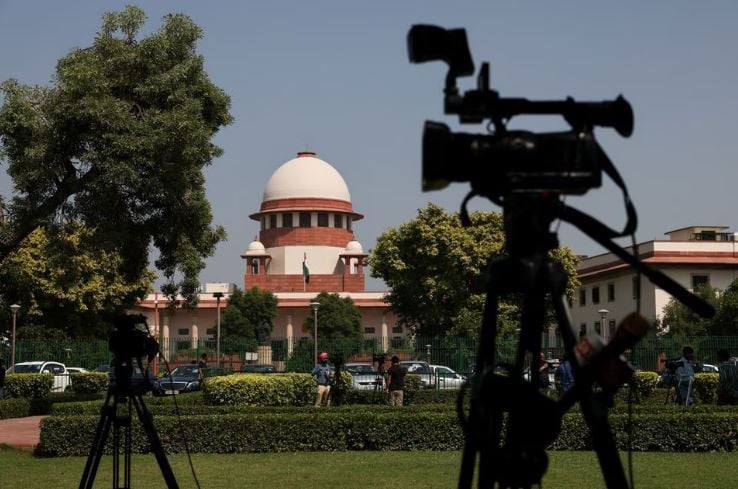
(89, 382)
(260, 390)
(28, 385)
(15, 408)
(644, 383)
(706, 385)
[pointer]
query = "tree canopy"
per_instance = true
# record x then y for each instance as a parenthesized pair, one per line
(435, 269)
(249, 315)
(117, 143)
(678, 319)
(338, 318)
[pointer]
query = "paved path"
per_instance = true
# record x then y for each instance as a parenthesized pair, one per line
(21, 432)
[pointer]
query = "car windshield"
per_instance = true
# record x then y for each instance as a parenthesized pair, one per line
(444, 370)
(27, 369)
(187, 371)
(360, 369)
(416, 367)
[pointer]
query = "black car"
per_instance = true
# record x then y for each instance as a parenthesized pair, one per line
(138, 383)
(258, 368)
(183, 379)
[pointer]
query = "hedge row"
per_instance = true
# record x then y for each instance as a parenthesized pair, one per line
(37, 386)
(89, 382)
(398, 429)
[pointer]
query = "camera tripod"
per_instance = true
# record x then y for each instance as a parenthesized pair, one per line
(125, 396)
(510, 423)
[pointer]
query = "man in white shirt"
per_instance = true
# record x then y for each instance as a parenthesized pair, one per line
(685, 375)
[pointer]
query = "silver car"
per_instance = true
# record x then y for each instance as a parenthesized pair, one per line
(364, 376)
(445, 378)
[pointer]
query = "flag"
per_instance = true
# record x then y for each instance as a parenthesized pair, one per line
(305, 270)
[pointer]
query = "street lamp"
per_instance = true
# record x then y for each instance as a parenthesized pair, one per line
(603, 325)
(315, 305)
(218, 296)
(14, 309)
(427, 352)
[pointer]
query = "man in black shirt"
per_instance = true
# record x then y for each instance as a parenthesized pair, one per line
(396, 382)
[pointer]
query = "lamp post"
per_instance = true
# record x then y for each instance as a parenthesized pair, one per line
(14, 309)
(315, 305)
(156, 331)
(218, 296)
(427, 352)
(603, 324)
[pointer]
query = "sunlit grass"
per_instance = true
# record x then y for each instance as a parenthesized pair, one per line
(306, 470)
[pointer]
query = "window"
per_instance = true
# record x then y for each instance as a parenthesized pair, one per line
(610, 328)
(263, 223)
(636, 285)
(595, 295)
(323, 219)
(254, 266)
(348, 224)
(396, 329)
(610, 292)
(369, 330)
(287, 220)
(700, 280)
(598, 327)
(583, 329)
(183, 331)
(272, 221)
(304, 219)
(582, 297)
(338, 220)
(211, 331)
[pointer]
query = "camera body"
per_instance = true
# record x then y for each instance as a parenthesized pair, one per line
(130, 339)
(505, 162)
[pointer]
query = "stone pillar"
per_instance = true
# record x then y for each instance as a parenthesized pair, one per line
(165, 337)
(195, 336)
(385, 337)
(264, 354)
(290, 336)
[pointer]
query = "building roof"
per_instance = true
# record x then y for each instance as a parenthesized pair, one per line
(306, 177)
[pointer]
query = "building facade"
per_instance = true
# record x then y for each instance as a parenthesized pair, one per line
(691, 256)
(305, 246)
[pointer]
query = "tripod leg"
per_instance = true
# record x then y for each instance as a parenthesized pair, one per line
(156, 447)
(107, 414)
(593, 410)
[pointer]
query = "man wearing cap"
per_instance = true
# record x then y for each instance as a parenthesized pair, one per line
(322, 374)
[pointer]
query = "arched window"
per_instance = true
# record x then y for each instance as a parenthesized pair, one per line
(254, 266)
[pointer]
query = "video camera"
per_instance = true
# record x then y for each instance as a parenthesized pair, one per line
(130, 339)
(569, 162)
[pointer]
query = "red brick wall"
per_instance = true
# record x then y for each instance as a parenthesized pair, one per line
(318, 283)
(305, 237)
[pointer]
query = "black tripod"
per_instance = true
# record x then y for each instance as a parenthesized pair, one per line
(122, 394)
(510, 423)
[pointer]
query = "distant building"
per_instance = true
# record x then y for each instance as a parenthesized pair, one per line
(692, 256)
(305, 245)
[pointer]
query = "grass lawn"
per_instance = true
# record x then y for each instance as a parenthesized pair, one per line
(307, 470)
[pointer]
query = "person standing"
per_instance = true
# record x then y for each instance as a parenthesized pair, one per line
(396, 384)
(565, 375)
(685, 376)
(543, 383)
(202, 365)
(322, 374)
(2, 379)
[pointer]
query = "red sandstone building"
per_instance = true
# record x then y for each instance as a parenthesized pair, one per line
(306, 218)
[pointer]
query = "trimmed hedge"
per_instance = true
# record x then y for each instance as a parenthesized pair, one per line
(14, 408)
(36, 386)
(390, 429)
(89, 382)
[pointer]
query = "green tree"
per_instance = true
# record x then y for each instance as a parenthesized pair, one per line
(67, 283)
(249, 315)
(338, 318)
(118, 142)
(725, 322)
(678, 320)
(436, 268)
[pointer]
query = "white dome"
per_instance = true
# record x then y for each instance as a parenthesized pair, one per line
(306, 176)
(255, 248)
(354, 247)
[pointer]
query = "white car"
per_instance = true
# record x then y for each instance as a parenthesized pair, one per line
(445, 378)
(364, 376)
(76, 370)
(58, 370)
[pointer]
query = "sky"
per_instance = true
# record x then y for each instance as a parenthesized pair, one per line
(334, 77)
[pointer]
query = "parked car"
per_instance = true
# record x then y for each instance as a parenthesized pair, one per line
(58, 370)
(138, 383)
(258, 368)
(706, 368)
(185, 378)
(364, 376)
(445, 378)
(427, 379)
(76, 370)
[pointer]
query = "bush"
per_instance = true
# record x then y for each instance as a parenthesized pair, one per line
(89, 382)
(706, 385)
(14, 408)
(644, 383)
(260, 390)
(37, 386)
